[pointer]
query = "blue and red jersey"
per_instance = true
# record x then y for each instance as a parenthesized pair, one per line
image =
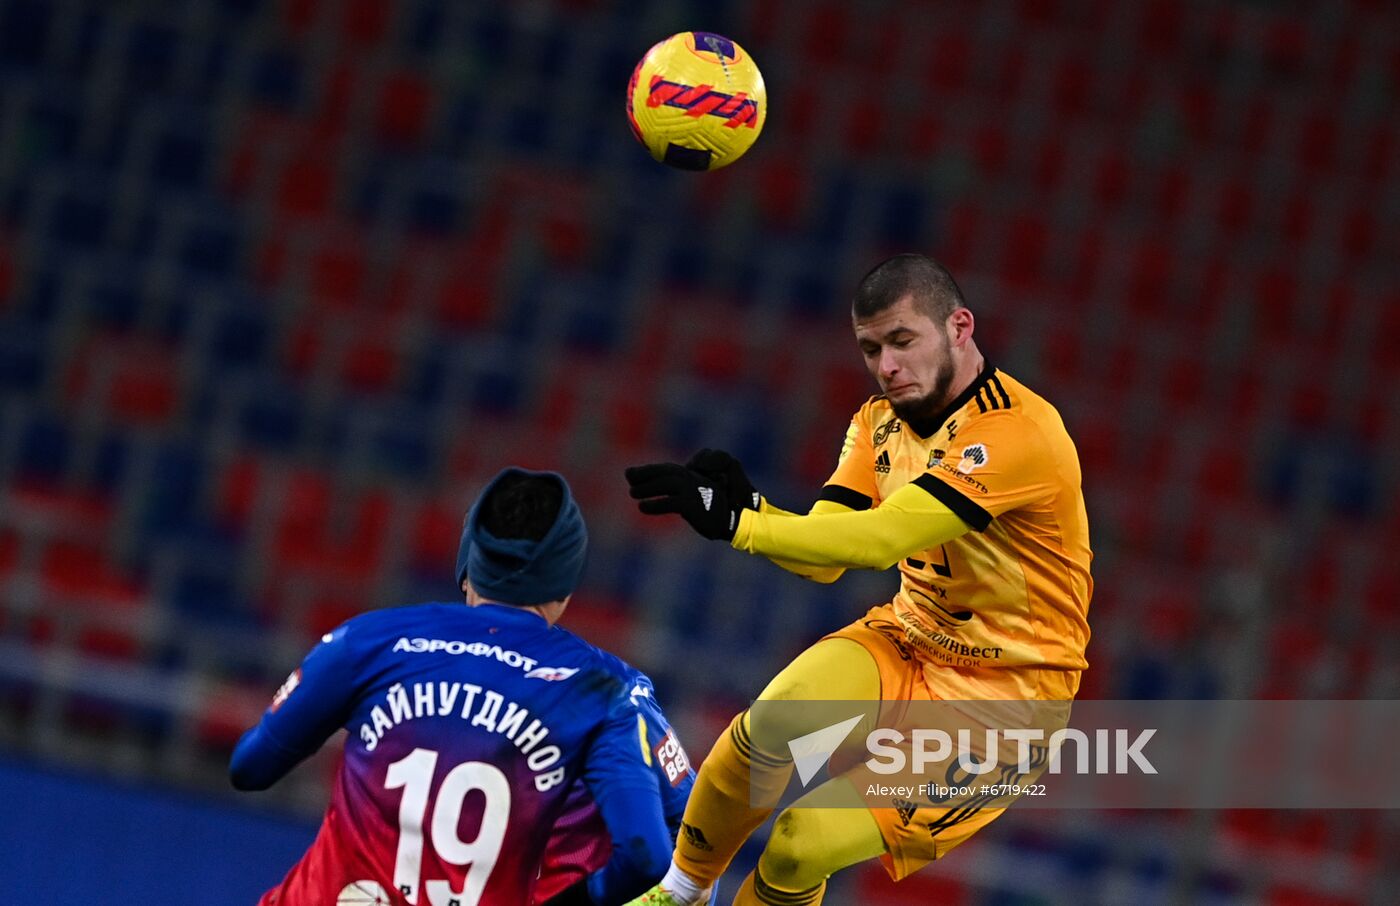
(473, 733)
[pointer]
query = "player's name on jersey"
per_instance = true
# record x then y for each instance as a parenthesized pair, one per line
(480, 706)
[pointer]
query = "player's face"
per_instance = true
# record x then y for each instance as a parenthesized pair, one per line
(910, 356)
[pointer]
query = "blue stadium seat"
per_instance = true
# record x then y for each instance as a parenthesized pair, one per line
(813, 295)
(402, 448)
(151, 53)
(45, 449)
(208, 592)
(434, 208)
(240, 337)
(115, 300)
(79, 220)
(180, 158)
(490, 39)
(273, 418)
(171, 501)
(276, 79)
(212, 248)
(593, 329)
(426, 29)
(497, 391)
(527, 126)
(111, 462)
(24, 32)
(684, 429)
(42, 297)
(53, 123)
(88, 37)
(21, 359)
(426, 380)
(903, 217)
(687, 261)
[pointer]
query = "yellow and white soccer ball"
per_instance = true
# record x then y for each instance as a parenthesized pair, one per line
(696, 101)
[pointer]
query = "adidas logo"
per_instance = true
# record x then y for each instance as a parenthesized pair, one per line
(906, 810)
(882, 462)
(707, 497)
(696, 838)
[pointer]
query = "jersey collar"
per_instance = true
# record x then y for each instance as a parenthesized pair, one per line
(927, 427)
(510, 612)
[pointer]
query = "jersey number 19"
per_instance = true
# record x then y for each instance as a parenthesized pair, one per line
(414, 773)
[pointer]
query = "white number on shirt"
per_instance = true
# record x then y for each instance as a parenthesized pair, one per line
(414, 773)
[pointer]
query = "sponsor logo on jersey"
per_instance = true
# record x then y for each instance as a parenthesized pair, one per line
(973, 457)
(882, 462)
(935, 457)
(670, 754)
(552, 674)
(883, 432)
(287, 688)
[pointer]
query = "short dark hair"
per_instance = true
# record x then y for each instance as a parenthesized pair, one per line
(522, 506)
(933, 289)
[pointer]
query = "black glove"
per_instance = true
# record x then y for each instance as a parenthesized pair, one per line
(719, 466)
(575, 895)
(669, 487)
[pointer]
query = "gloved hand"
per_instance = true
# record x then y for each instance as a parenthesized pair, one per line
(719, 466)
(669, 487)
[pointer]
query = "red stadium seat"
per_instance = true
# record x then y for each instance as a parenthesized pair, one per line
(9, 553)
(1160, 27)
(306, 183)
(947, 62)
(405, 103)
(370, 365)
(874, 888)
(142, 388)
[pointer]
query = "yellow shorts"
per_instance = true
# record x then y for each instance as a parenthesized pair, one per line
(914, 831)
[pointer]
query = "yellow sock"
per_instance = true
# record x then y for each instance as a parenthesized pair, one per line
(719, 816)
(756, 892)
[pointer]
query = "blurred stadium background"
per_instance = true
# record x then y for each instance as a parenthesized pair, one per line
(282, 281)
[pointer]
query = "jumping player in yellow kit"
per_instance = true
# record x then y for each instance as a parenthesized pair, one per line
(964, 478)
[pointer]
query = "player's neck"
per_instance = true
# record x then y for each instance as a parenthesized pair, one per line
(966, 373)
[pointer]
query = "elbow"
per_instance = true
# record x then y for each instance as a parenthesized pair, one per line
(649, 856)
(246, 770)
(246, 779)
(824, 576)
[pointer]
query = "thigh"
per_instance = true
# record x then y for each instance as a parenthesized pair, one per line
(834, 669)
(823, 832)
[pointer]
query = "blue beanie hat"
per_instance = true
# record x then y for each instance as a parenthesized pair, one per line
(517, 570)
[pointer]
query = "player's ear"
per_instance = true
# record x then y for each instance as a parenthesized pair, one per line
(960, 325)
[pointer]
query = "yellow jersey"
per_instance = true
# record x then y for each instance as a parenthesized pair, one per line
(1003, 606)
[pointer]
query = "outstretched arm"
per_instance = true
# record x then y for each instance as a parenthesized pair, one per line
(823, 574)
(910, 520)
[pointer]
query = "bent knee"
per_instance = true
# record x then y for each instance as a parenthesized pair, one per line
(794, 857)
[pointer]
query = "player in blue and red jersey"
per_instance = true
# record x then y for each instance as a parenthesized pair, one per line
(472, 730)
(579, 844)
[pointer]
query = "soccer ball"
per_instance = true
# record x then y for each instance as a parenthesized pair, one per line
(696, 101)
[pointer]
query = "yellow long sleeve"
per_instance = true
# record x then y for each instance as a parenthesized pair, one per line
(824, 575)
(909, 521)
